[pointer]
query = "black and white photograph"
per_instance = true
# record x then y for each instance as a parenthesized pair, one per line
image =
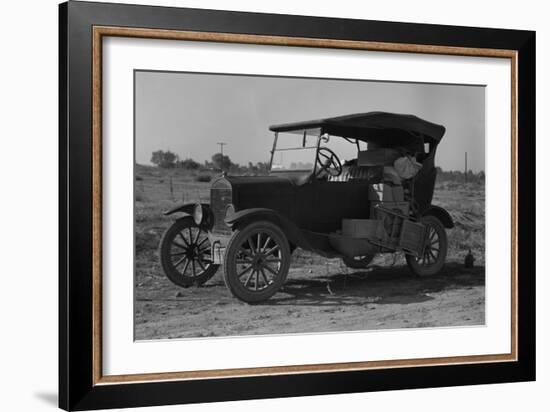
(268, 205)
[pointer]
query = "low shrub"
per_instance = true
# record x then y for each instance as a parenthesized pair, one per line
(203, 177)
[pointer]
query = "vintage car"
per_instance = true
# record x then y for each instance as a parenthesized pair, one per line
(345, 187)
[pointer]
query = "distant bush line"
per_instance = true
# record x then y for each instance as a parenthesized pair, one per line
(219, 163)
(459, 176)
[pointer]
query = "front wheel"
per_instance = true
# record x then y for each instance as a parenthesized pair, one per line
(257, 260)
(435, 252)
(185, 254)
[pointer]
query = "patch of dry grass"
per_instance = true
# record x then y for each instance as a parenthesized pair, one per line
(466, 204)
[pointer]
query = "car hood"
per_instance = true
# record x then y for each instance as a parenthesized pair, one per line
(272, 192)
(271, 181)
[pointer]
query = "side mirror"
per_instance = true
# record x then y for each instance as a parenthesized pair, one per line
(325, 138)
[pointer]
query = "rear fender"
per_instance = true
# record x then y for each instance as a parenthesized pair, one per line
(440, 213)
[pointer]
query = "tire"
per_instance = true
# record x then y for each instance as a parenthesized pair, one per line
(358, 262)
(185, 253)
(433, 259)
(256, 262)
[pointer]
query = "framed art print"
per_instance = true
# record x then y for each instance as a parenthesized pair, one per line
(259, 205)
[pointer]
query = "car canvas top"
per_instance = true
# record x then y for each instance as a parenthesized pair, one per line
(381, 128)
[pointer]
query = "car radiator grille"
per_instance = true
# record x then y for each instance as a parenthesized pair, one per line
(219, 200)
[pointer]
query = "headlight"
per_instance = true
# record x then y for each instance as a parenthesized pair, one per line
(198, 214)
(229, 211)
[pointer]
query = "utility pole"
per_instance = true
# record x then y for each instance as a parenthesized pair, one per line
(222, 144)
(465, 167)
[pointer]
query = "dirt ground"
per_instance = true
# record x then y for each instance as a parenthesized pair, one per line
(320, 295)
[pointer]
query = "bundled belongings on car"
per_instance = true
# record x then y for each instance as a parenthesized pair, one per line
(388, 228)
(377, 157)
(407, 167)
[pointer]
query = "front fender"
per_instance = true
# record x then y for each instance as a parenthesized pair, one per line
(441, 214)
(186, 208)
(291, 231)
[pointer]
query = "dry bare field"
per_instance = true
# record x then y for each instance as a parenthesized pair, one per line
(320, 295)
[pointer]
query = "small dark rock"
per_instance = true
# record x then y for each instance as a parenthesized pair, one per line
(469, 260)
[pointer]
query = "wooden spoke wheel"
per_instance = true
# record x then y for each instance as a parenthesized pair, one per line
(435, 251)
(256, 261)
(185, 253)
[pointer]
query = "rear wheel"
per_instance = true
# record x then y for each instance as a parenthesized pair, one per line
(435, 252)
(185, 253)
(256, 263)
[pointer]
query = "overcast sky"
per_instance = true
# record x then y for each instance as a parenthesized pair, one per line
(188, 113)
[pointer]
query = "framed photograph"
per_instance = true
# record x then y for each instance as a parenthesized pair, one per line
(256, 205)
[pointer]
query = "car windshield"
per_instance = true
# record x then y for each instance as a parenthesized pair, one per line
(295, 151)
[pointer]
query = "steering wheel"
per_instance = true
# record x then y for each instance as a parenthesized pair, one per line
(328, 162)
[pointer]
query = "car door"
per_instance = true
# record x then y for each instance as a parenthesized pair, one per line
(303, 212)
(335, 201)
